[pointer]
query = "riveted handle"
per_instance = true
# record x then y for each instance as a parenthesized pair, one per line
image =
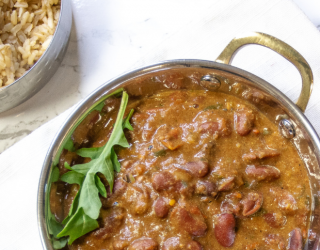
(281, 48)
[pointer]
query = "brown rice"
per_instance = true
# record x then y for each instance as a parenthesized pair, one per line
(26, 30)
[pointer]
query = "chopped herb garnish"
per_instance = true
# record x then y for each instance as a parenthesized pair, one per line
(185, 184)
(217, 176)
(160, 153)
(266, 131)
(246, 184)
(131, 178)
(217, 106)
(307, 201)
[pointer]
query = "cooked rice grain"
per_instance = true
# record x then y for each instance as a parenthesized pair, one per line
(26, 30)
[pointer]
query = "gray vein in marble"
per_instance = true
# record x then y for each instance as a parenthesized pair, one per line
(15, 134)
(76, 67)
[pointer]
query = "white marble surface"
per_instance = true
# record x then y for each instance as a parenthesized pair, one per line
(109, 40)
(312, 9)
(110, 37)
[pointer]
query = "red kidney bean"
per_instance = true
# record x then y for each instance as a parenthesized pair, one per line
(295, 240)
(275, 220)
(177, 243)
(244, 121)
(260, 154)
(251, 204)
(225, 230)
(209, 127)
(226, 184)
(286, 201)
(206, 188)
(120, 244)
(171, 243)
(191, 221)
(263, 173)
(185, 189)
(144, 244)
(163, 181)
(221, 126)
(197, 168)
(119, 188)
(275, 241)
(194, 245)
(161, 207)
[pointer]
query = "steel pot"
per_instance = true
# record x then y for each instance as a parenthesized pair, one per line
(216, 76)
(41, 72)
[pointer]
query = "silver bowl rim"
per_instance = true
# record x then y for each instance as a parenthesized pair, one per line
(62, 3)
(112, 84)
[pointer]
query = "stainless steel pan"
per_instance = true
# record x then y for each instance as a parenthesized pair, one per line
(217, 76)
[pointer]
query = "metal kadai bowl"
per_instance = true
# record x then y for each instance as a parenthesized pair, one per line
(215, 76)
(41, 72)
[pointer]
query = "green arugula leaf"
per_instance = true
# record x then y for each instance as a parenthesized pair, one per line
(73, 177)
(54, 175)
(56, 227)
(89, 199)
(59, 243)
(99, 107)
(101, 187)
(92, 153)
(73, 209)
(69, 145)
(160, 153)
(115, 162)
(126, 123)
(79, 168)
(103, 160)
(82, 224)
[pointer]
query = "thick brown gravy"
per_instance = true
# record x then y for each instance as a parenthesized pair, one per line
(204, 170)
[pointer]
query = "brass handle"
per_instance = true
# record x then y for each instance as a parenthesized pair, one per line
(281, 48)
